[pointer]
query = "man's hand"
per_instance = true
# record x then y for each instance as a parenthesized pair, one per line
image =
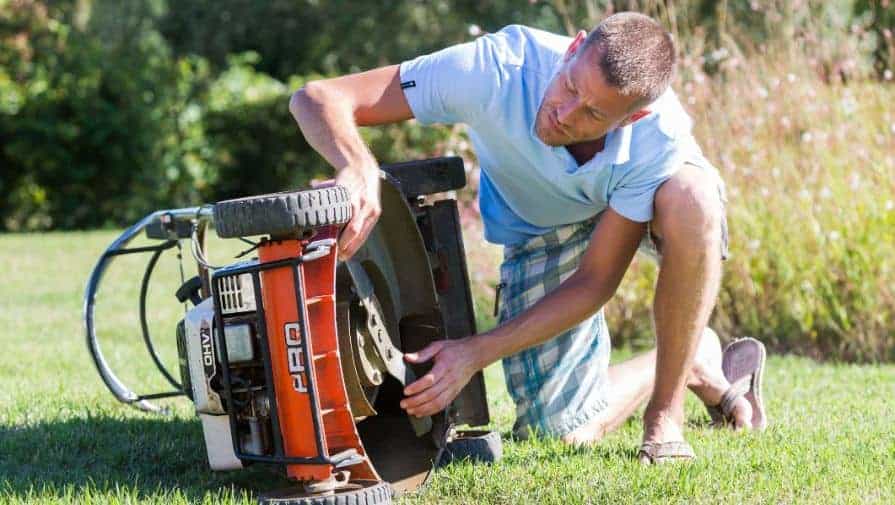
(329, 113)
(455, 363)
(363, 186)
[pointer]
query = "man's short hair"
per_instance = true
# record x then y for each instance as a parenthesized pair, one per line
(636, 55)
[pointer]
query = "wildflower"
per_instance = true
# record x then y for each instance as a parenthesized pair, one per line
(807, 137)
(719, 54)
(855, 181)
(890, 205)
(834, 235)
(762, 92)
(825, 193)
(887, 75)
(474, 30)
(805, 194)
(754, 244)
(791, 78)
(892, 128)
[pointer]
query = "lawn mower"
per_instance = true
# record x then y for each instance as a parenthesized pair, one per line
(293, 358)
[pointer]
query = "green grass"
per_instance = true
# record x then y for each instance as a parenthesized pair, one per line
(64, 439)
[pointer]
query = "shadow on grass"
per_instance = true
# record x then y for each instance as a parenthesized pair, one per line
(541, 448)
(144, 457)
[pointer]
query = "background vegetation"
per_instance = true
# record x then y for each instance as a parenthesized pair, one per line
(109, 110)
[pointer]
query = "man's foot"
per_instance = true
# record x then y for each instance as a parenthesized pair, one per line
(707, 380)
(663, 438)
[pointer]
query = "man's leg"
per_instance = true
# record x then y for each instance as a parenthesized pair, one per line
(687, 223)
(631, 382)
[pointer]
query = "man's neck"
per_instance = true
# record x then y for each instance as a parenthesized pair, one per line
(584, 151)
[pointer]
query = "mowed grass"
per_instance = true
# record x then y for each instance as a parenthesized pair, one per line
(64, 439)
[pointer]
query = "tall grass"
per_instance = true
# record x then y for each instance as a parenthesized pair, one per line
(810, 167)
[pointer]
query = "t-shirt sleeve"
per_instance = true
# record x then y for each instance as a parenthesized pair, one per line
(454, 85)
(635, 192)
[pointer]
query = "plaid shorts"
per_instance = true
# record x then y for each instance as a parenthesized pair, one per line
(561, 384)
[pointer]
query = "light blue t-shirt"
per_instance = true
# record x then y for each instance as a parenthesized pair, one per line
(495, 85)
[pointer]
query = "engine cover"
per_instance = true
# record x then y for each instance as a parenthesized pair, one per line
(201, 359)
(199, 365)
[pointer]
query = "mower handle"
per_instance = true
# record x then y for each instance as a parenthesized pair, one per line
(123, 393)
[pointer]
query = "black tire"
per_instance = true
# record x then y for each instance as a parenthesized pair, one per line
(367, 492)
(476, 446)
(285, 214)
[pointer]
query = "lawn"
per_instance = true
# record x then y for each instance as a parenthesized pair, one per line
(64, 439)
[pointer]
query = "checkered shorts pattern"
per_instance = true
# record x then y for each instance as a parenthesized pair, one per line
(561, 384)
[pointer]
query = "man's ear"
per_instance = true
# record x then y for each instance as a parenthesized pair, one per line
(634, 117)
(575, 45)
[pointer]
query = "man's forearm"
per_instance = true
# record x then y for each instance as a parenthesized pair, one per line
(327, 122)
(572, 302)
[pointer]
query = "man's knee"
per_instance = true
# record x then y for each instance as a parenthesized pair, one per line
(688, 210)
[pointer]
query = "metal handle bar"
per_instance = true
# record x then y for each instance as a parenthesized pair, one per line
(118, 247)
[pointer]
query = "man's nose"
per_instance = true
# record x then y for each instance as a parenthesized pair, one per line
(565, 111)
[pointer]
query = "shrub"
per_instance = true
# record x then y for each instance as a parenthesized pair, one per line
(95, 129)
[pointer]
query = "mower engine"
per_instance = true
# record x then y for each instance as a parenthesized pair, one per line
(295, 359)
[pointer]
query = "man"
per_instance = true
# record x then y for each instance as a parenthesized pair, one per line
(585, 154)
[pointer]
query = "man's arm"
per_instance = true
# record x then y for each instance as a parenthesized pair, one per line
(328, 112)
(603, 265)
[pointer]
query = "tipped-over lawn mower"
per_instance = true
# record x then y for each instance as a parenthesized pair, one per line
(295, 359)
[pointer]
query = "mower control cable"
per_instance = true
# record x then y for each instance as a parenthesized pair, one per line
(147, 339)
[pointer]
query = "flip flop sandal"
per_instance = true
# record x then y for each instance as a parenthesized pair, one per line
(654, 453)
(743, 366)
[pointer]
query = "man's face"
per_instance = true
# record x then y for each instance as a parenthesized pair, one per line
(579, 106)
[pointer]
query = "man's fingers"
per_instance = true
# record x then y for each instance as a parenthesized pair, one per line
(421, 384)
(426, 354)
(425, 382)
(412, 402)
(322, 183)
(354, 235)
(434, 406)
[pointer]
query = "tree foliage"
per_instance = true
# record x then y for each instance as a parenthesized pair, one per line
(109, 110)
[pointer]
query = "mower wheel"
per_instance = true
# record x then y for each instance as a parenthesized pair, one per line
(360, 492)
(476, 446)
(285, 214)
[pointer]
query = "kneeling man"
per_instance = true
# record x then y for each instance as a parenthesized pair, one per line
(586, 156)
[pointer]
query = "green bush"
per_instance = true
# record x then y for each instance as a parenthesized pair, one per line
(95, 129)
